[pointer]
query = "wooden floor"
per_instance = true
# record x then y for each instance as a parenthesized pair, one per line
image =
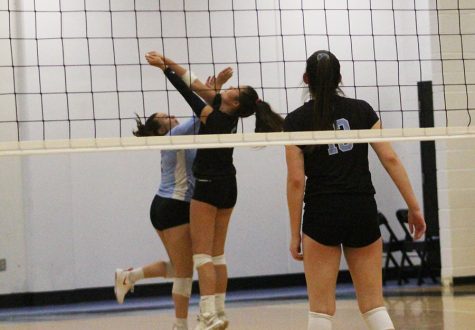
(416, 308)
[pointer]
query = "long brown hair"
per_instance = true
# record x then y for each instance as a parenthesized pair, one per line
(151, 127)
(323, 75)
(266, 119)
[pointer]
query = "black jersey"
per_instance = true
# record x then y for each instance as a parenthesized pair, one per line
(340, 168)
(214, 163)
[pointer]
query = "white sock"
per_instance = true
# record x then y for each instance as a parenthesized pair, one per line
(207, 304)
(219, 299)
(135, 275)
(378, 319)
(319, 321)
(181, 323)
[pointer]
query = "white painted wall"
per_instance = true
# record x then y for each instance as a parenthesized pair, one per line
(12, 224)
(457, 206)
(69, 216)
(456, 159)
(89, 212)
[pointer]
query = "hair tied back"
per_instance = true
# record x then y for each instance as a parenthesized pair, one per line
(322, 56)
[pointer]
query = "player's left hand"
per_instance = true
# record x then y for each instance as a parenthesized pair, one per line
(296, 249)
(224, 76)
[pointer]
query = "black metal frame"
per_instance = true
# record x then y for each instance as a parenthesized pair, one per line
(394, 244)
(422, 249)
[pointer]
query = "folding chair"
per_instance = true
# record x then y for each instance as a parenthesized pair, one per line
(421, 248)
(393, 244)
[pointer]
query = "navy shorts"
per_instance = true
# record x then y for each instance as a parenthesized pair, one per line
(350, 220)
(167, 213)
(219, 192)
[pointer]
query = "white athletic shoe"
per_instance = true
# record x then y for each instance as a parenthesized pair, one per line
(208, 321)
(122, 284)
(178, 327)
(222, 317)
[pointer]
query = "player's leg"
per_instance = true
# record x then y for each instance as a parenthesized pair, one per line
(202, 224)
(165, 213)
(177, 241)
(221, 228)
(365, 265)
(321, 265)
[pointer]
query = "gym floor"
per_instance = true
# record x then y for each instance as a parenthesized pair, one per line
(410, 306)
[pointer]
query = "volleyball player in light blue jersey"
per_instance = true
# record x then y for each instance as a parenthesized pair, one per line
(177, 178)
(170, 216)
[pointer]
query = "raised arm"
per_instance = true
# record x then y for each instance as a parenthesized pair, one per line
(212, 86)
(179, 70)
(197, 105)
(398, 174)
(207, 90)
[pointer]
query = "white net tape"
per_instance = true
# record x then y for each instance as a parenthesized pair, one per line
(235, 140)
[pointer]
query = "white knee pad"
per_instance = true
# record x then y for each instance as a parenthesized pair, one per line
(170, 270)
(319, 321)
(378, 319)
(219, 260)
(201, 259)
(182, 286)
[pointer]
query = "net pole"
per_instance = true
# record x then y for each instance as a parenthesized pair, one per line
(428, 159)
(429, 170)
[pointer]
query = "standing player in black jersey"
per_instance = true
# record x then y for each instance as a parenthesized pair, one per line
(340, 209)
(215, 191)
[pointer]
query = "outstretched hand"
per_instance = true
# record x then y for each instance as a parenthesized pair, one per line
(156, 59)
(216, 83)
(211, 82)
(224, 76)
(417, 224)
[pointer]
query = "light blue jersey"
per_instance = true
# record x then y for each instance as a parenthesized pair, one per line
(178, 181)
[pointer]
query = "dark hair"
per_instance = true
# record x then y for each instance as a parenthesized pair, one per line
(266, 119)
(150, 128)
(323, 74)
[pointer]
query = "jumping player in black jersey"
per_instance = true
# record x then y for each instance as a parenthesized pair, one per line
(215, 191)
(340, 209)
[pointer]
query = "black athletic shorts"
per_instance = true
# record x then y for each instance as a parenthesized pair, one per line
(219, 192)
(166, 213)
(350, 220)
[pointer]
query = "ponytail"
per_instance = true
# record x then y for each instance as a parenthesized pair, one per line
(150, 128)
(323, 74)
(266, 119)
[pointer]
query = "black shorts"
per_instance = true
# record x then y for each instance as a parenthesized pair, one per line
(219, 192)
(350, 220)
(166, 213)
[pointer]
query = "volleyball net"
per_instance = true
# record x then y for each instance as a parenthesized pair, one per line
(74, 74)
